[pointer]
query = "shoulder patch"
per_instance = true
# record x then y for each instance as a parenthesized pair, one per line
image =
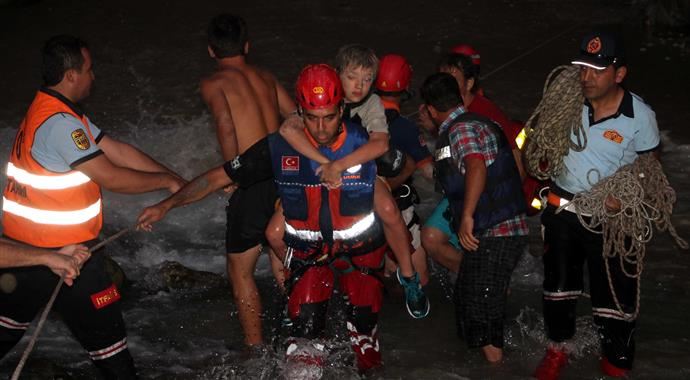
(80, 139)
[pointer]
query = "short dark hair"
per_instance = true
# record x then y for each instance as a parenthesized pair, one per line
(227, 34)
(463, 63)
(61, 53)
(441, 91)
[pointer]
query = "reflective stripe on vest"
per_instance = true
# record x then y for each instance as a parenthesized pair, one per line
(305, 235)
(356, 229)
(46, 182)
(58, 218)
(41, 207)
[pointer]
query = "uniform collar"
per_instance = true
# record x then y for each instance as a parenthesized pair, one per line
(625, 109)
(73, 106)
(449, 120)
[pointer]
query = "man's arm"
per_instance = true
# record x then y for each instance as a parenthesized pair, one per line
(475, 180)
(128, 156)
(65, 262)
(216, 102)
(286, 105)
(195, 190)
(125, 180)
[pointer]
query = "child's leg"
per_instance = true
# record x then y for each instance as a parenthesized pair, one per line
(397, 235)
(274, 235)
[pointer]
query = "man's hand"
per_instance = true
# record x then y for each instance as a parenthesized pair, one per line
(330, 174)
(151, 215)
(467, 239)
(68, 261)
(612, 204)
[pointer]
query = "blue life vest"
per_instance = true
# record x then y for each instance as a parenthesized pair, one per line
(502, 197)
(316, 215)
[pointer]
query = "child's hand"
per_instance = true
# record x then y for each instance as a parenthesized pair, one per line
(330, 174)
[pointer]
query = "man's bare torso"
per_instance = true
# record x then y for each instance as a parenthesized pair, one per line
(244, 104)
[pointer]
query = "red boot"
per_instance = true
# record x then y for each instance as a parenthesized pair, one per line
(366, 349)
(551, 365)
(611, 370)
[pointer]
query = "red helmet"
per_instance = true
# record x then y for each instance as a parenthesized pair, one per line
(394, 73)
(468, 51)
(318, 86)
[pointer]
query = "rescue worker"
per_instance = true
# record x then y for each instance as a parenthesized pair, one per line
(618, 126)
(58, 164)
(330, 231)
(392, 83)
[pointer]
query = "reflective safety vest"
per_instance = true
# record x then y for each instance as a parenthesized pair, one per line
(316, 216)
(45, 208)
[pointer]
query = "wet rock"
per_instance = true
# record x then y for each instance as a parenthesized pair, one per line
(176, 276)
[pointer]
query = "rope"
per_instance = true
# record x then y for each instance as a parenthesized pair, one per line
(49, 305)
(646, 199)
(558, 116)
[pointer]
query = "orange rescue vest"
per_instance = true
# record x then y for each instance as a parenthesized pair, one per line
(45, 208)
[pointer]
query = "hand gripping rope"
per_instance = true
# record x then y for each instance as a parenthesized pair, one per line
(49, 305)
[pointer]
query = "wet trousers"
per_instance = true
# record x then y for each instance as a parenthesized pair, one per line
(90, 309)
(567, 247)
(480, 290)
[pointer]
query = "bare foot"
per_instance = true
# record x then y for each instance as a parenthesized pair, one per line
(492, 353)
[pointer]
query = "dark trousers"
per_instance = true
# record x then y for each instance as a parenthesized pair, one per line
(90, 308)
(567, 246)
(480, 290)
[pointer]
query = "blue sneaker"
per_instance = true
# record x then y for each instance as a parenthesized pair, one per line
(415, 300)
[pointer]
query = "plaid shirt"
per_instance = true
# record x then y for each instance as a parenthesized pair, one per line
(475, 139)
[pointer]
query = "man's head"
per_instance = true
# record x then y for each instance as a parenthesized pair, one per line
(227, 36)
(67, 62)
(465, 72)
(320, 98)
(357, 67)
(602, 64)
(394, 75)
(441, 95)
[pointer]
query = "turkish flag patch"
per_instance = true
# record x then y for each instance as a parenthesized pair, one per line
(290, 163)
(105, 297)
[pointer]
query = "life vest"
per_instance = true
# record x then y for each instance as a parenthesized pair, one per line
(502, 196)
(342, 218)
(44, 208)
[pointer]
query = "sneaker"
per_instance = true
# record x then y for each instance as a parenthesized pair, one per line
(415, 300)
(551, 365)
(611, 370)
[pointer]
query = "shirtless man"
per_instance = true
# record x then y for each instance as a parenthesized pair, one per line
(246, 103)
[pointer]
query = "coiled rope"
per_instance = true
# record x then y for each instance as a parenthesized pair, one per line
(646, 200)
(557, 116)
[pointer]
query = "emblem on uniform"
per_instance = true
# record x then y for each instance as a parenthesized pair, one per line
(290, 163)
(594, 45)
(105, 297)
(80, 139)
(614, 136)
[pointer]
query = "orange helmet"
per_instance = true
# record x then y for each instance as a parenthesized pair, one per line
(318, 86)
(394, 73)
(468, 51)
